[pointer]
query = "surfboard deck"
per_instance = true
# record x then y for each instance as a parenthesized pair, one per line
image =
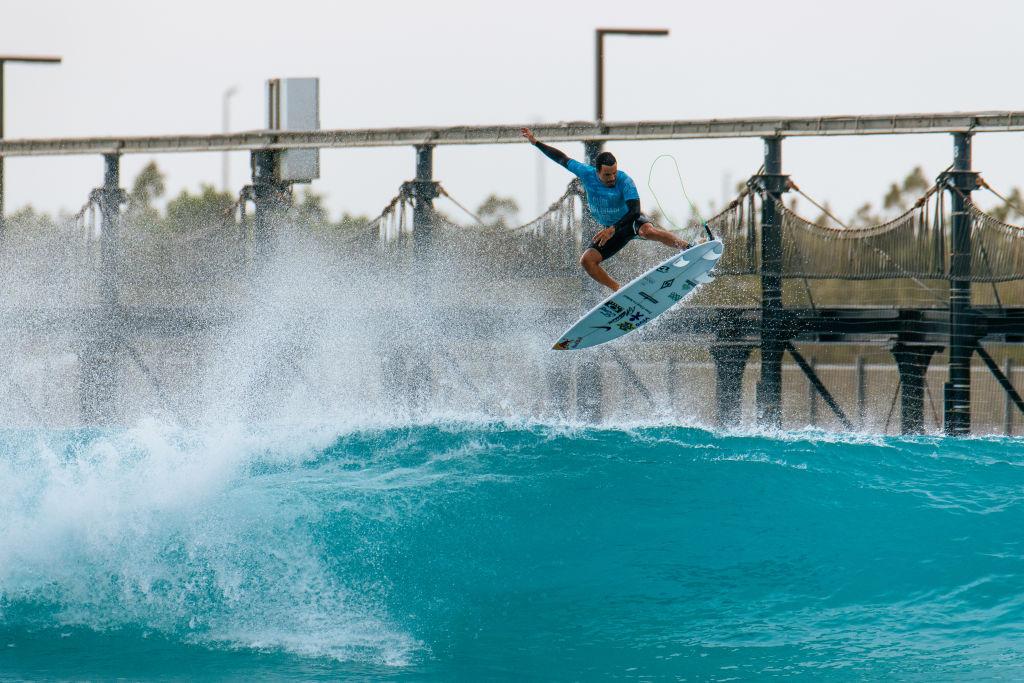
(643, 299)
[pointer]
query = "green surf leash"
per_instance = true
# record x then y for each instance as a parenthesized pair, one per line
(682, 187)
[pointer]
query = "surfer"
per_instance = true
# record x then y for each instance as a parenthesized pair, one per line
(614, 203)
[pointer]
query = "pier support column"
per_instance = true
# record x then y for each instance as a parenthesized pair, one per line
(589, 388)
(591, 148)
(773, 336)
(425, 191)
(420, 376)
(812, 396)
(110, 198)
(730, 363)
(1007, 400)
(408, 379)
(558, 374)
(912, 361)
(860, 371)
(268, 195)
(962, 334)
(588, 374)
(99, 373)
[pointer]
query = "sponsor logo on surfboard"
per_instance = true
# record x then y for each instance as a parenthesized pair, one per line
(642, 300)
(610, 308)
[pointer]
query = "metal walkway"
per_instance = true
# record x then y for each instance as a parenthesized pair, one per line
(575, 131)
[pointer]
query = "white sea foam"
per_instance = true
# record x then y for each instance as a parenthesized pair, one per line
(187, 533)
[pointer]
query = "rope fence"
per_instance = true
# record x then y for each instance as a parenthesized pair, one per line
(913, 245)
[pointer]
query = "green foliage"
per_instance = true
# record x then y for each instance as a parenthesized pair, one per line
(658, 219)
(187, 211)
(311, 209)
(824, 218)
(900, 197)
(210, 207)
(694, 220)
(350, 222)
(27, 219)
(893, 198)
(916, 182)
(865, 216)
(498, 212)
(149, 185)
(1012, 209)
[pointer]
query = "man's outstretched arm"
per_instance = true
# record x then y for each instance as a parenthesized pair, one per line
(556, 155)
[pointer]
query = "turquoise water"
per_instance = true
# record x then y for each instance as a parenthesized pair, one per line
(476, 551)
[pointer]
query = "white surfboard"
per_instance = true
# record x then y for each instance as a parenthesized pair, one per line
(644, 299)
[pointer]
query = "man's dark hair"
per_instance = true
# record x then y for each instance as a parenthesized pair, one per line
(604, 159)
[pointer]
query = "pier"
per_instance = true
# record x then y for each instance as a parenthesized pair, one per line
(945, 251)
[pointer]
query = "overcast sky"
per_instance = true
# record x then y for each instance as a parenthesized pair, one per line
(135, 67)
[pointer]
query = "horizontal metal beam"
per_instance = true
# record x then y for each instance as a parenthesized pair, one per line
(30, 59)
(850, 324)
(575, 131)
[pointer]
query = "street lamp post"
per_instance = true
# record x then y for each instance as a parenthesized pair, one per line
(226, 121)
(599, 63)
(3, 61)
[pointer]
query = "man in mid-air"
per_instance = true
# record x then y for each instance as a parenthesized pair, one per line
(614, 203)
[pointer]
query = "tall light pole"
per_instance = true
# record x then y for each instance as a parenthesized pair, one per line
(3, 61)
(599, 63)
(225, 112)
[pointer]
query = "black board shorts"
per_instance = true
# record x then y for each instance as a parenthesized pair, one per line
(620, 238)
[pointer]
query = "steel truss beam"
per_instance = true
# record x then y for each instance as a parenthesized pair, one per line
(575, 131)
(727, 324)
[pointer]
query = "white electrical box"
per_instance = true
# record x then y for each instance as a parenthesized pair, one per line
(293, 104)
